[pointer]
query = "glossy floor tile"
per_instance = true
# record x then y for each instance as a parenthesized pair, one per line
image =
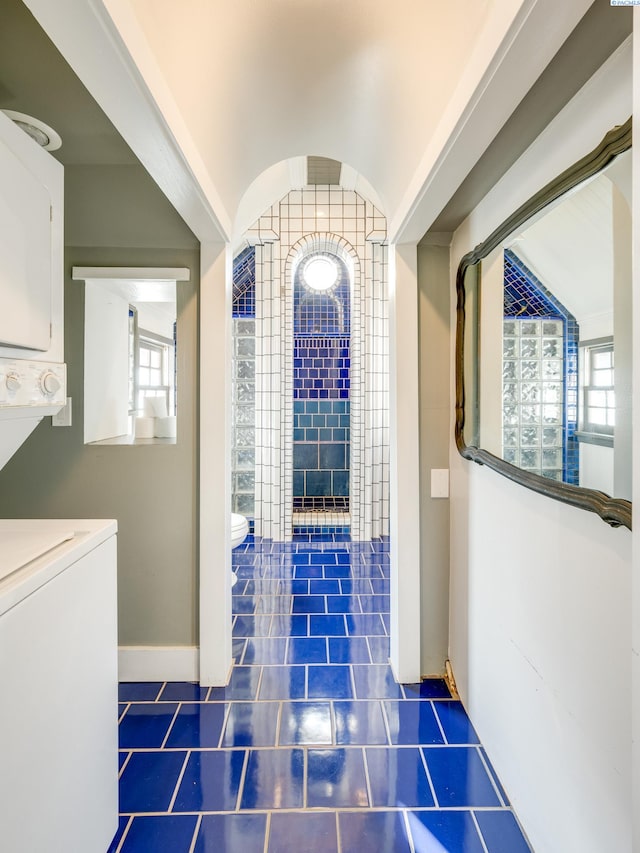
(312, 746)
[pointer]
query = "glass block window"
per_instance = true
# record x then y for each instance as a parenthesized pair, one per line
(540, 377)
(243, 383)
(243, 417)
(598, 410)
(322, 311)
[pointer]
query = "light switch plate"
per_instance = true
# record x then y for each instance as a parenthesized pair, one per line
(439, 482)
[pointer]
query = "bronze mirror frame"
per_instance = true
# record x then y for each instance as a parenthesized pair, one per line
(614, 511)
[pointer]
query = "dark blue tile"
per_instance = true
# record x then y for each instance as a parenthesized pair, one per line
(339, 571)
(274, 779)
(122, 757)
(230, 833)
(318, 483)
(145, 726)
(283, 682)
(324, 587)
(429, 688)
(340, 478)
(139, 691)
(148, 781)
(251, 724)
(122, 706)
(243, 684)
(286, 625)
(348, 650)
(211, 781)
(308, 604)
(267, 650)
(296, 586)
(313, 833)
(413, 722)
(197, 726)
(359, 723)
(398, 778)
(459, 777)
(343, 604)
(456, 724)
(329, 682)
(323, 558)
(336, 779)
(307, 650)
(157, 834)
(375, 682)
(115, 841)
(379, 647)
(435, 831)
(323, 626)
(501, 832)
(237, 648)
(383, 832)
(307, 571)
(183, 691)
(305, 723)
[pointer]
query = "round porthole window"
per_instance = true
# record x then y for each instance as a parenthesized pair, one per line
(320, 273)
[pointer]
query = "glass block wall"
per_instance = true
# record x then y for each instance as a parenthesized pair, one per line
(243, 384)
(540, 377)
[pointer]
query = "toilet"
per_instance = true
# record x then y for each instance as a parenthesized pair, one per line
(239, 530)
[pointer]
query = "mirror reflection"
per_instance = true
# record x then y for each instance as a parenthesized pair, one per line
(547, 339)
(130, 362)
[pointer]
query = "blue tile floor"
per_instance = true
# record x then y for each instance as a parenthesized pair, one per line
(312, 747)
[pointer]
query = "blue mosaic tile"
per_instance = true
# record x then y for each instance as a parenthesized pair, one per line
(251, 724)
(455, 723)
(283, 682)
(398, 777)
(197, 726)
(149, 780)
(145, 726)
(135, 691)
(359, 722)
(413, 723)
(307, 723)
(501, 832)
(459, 777)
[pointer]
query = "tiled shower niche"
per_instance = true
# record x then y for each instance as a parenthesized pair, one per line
(539, 377)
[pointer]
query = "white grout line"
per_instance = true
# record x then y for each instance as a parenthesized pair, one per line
(338, 838)
(179, 782)
(267, 832)
(387, 723)
(225, 720)
(440, 726)
(126, 761)
(243, 776)
(407, 827)
(171, 724)
(429, 779)
(124, 835)
(195, 834)
(491, 776)
(480, 835)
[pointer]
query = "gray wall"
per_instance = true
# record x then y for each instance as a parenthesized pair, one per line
(435, 427)
(116, 216)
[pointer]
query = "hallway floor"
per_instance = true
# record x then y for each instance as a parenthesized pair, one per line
(312, 747)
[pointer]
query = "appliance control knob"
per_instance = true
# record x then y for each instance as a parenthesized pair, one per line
(49, 383)
(13, 382)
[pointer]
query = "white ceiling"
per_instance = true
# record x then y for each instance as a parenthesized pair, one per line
(212, 94)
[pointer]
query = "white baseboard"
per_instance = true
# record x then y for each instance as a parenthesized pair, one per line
(158, 663)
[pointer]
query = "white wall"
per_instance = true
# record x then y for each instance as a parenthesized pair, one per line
(540, 616)
(106, 367)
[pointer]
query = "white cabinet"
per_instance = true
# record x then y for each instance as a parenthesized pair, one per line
(58, 714)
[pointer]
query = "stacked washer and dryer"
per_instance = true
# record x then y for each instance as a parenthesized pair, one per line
(58, 610)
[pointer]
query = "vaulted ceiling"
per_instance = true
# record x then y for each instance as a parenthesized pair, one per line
(222, 101)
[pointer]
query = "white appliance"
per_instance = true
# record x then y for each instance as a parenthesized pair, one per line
(32, 372)
(58, 670)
